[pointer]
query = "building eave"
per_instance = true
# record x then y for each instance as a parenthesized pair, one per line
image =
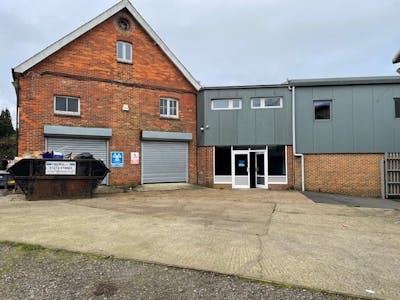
(345, 81)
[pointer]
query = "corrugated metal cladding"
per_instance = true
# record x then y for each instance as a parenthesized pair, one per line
(164, 161)
(246, 126)
(96, 147)
(362, 119)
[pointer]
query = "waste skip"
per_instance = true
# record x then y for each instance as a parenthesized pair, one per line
(4, 179)
(58, 179)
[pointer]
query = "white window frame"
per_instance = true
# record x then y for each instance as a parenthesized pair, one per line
(230, 104)
(124, 59)
(262, 102)
(168, 115)
(67, 113)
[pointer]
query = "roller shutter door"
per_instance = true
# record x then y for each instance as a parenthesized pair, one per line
(67, 145)
(164, 162)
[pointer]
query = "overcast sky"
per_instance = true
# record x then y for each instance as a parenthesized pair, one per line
(226, 42)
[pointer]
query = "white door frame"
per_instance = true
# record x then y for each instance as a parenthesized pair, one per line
(265, 153)
(240, 186)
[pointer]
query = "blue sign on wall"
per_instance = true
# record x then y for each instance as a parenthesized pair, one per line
(117, 159)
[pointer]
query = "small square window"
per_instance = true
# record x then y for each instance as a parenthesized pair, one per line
(397, 107)
(322, 109)
(66, 105)
(124, 52)
(169, 108)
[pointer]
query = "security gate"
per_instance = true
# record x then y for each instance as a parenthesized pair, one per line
(164, 162)
(391, 175)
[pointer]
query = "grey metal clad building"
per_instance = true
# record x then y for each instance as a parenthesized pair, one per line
(249, 128)
(334, 139)
(245, 124)
(362, 115)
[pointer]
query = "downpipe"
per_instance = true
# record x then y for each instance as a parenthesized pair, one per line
(301, 155)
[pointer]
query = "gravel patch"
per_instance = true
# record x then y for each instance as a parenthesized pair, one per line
(30, 272)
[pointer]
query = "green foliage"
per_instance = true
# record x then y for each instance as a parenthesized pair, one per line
(8, 140)
(6, 127)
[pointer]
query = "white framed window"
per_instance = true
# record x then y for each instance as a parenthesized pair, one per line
(64, 105)
(226, 104)
(266, 102)
(124, 52)
(169, 108)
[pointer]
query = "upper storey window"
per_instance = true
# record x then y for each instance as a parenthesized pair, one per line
(226, 104)
(269, 102)
(169, 108)
(124, 52)
(66, 105)
(322, 109)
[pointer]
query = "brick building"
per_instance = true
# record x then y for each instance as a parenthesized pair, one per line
(113, 88)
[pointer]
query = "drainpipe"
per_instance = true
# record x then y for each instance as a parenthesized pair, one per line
(293, 90)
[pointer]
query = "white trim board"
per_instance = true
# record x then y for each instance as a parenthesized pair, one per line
(29, 63)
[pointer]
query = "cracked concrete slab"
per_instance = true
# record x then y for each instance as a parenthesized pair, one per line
(267, 235)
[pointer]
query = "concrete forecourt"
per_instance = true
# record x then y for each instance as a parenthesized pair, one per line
(277, 236)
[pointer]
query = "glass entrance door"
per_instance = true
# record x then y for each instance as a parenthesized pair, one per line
(240, 169)
(260, 170)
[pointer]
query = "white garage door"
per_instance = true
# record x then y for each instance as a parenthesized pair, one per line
(164, 162)
(75, 145)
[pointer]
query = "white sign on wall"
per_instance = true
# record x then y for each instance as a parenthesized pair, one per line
(134, 158)
(60, 168)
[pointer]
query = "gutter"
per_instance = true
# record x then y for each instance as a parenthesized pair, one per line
(301, 155)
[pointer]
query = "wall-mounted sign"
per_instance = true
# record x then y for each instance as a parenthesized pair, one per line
(117, 159)
(241, 163)
(60, 168)
(134, 158)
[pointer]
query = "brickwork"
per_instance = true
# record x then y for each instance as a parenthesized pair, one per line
(350, 174)
(205, 166)
(297, 172)
(87, 68)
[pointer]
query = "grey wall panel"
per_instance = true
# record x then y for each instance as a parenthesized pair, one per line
(164, 162)
(200, 117)
(304, 120)
(363, 119)
(246, 126)
(384, 120)
(227, 127)
(343, 131)
(323, 137)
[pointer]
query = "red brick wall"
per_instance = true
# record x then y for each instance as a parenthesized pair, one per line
(87, 68)
(351, 174)
(205, 166)
(297, 172)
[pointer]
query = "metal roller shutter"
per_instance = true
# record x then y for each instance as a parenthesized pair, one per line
(164, 162)
(67, 145)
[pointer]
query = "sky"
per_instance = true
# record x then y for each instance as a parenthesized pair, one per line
(235, 42)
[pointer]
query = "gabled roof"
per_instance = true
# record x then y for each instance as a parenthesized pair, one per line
(93, 23)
